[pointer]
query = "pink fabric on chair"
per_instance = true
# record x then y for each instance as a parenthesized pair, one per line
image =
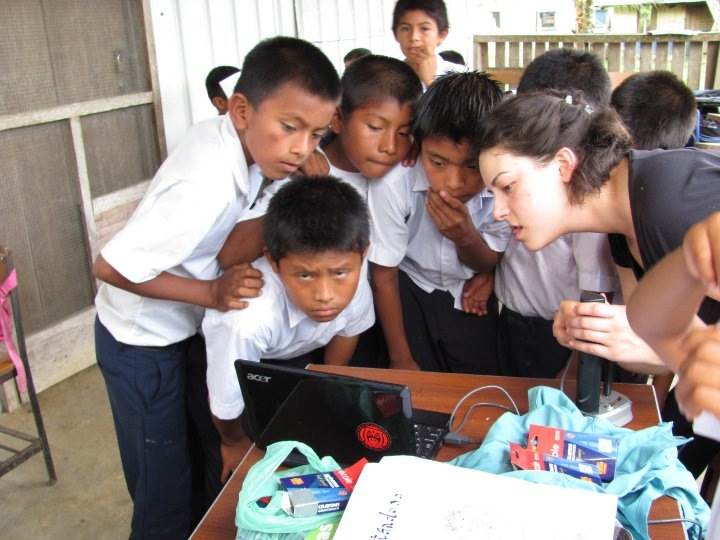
(6, 329)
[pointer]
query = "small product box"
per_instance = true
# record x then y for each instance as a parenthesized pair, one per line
(342, 478)
(587, 472)
(308, 502)
(308, 495)
(526, 459)
(599, 450)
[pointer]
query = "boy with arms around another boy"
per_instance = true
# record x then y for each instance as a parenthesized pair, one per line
(161, 270)
(371, 134)
(315, 294)
(432, 229)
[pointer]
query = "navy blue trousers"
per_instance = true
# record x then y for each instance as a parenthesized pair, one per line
(168, 446)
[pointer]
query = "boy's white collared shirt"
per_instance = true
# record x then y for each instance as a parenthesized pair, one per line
(533, 283)
(179, 227)
(271, 327)
(404, 235)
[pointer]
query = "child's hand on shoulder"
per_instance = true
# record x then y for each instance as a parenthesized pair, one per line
(476, 293)
(701, 248)
(450, 216)
(235, 284)
(698, 386)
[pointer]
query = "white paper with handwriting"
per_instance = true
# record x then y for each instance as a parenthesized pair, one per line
(407, 498)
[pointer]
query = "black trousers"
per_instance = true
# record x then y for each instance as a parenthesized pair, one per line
(527, 346)
(169, 446)
(443, 338)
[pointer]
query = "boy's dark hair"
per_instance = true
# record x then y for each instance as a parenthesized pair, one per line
(454, 106)
(356, 54)
(538, 124)
(214, 76)
(568, 69)
(315, 214)
(279, 60)
(452, 56)
(377, 78)
(435, 9)
(658, 109)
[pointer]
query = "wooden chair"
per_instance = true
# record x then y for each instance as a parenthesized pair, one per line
(31, 444)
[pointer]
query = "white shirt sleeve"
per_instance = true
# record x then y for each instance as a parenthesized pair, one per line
(164, 230)
(229, 338)
(496, 234)
(595, 267)
(389, 209)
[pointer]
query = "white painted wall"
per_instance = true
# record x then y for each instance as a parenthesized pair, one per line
(520, 16)
(193, 36)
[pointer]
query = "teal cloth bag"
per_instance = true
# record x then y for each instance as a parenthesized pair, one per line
(262, 481)
(647, 465)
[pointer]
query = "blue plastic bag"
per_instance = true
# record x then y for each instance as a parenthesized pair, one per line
(262, 481)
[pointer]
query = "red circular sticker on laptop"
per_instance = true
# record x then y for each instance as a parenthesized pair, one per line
(373, 436)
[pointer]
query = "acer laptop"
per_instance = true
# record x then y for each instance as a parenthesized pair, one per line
(336, 415)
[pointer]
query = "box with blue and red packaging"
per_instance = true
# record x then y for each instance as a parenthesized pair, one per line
(587, 456)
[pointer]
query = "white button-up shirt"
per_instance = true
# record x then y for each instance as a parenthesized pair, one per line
(191, 206)
(404, 235)
(533, 283)
(271, 327)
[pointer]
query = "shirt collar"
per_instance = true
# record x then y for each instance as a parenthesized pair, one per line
(421, 182)
(238, 163)
(295, 314)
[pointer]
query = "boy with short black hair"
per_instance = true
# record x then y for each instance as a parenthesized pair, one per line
(215, 93)
(161, 271)
(315, 294)
(355, 54)
(420, 27)
(563, 69)
(453, 56)
(372, 124)
(658, 109)
(432, 229)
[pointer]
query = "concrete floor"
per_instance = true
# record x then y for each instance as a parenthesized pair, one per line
(89, 500)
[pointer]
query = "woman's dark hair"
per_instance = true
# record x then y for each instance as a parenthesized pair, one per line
(538, 124)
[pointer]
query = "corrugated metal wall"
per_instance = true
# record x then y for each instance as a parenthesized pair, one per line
(193, 36)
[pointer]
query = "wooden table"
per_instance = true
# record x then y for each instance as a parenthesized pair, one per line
(440, 392)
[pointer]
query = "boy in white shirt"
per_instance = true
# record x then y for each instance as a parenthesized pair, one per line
(432, 229)
(372, 124)
(371, 135)
(315, 295)
(161, 271)
(420, 27)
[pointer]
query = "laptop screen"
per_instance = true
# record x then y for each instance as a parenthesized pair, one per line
(344, 417)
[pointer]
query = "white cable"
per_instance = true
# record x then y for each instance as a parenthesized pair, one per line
(475, 391)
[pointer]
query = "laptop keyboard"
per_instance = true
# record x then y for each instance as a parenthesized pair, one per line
(428, 440)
